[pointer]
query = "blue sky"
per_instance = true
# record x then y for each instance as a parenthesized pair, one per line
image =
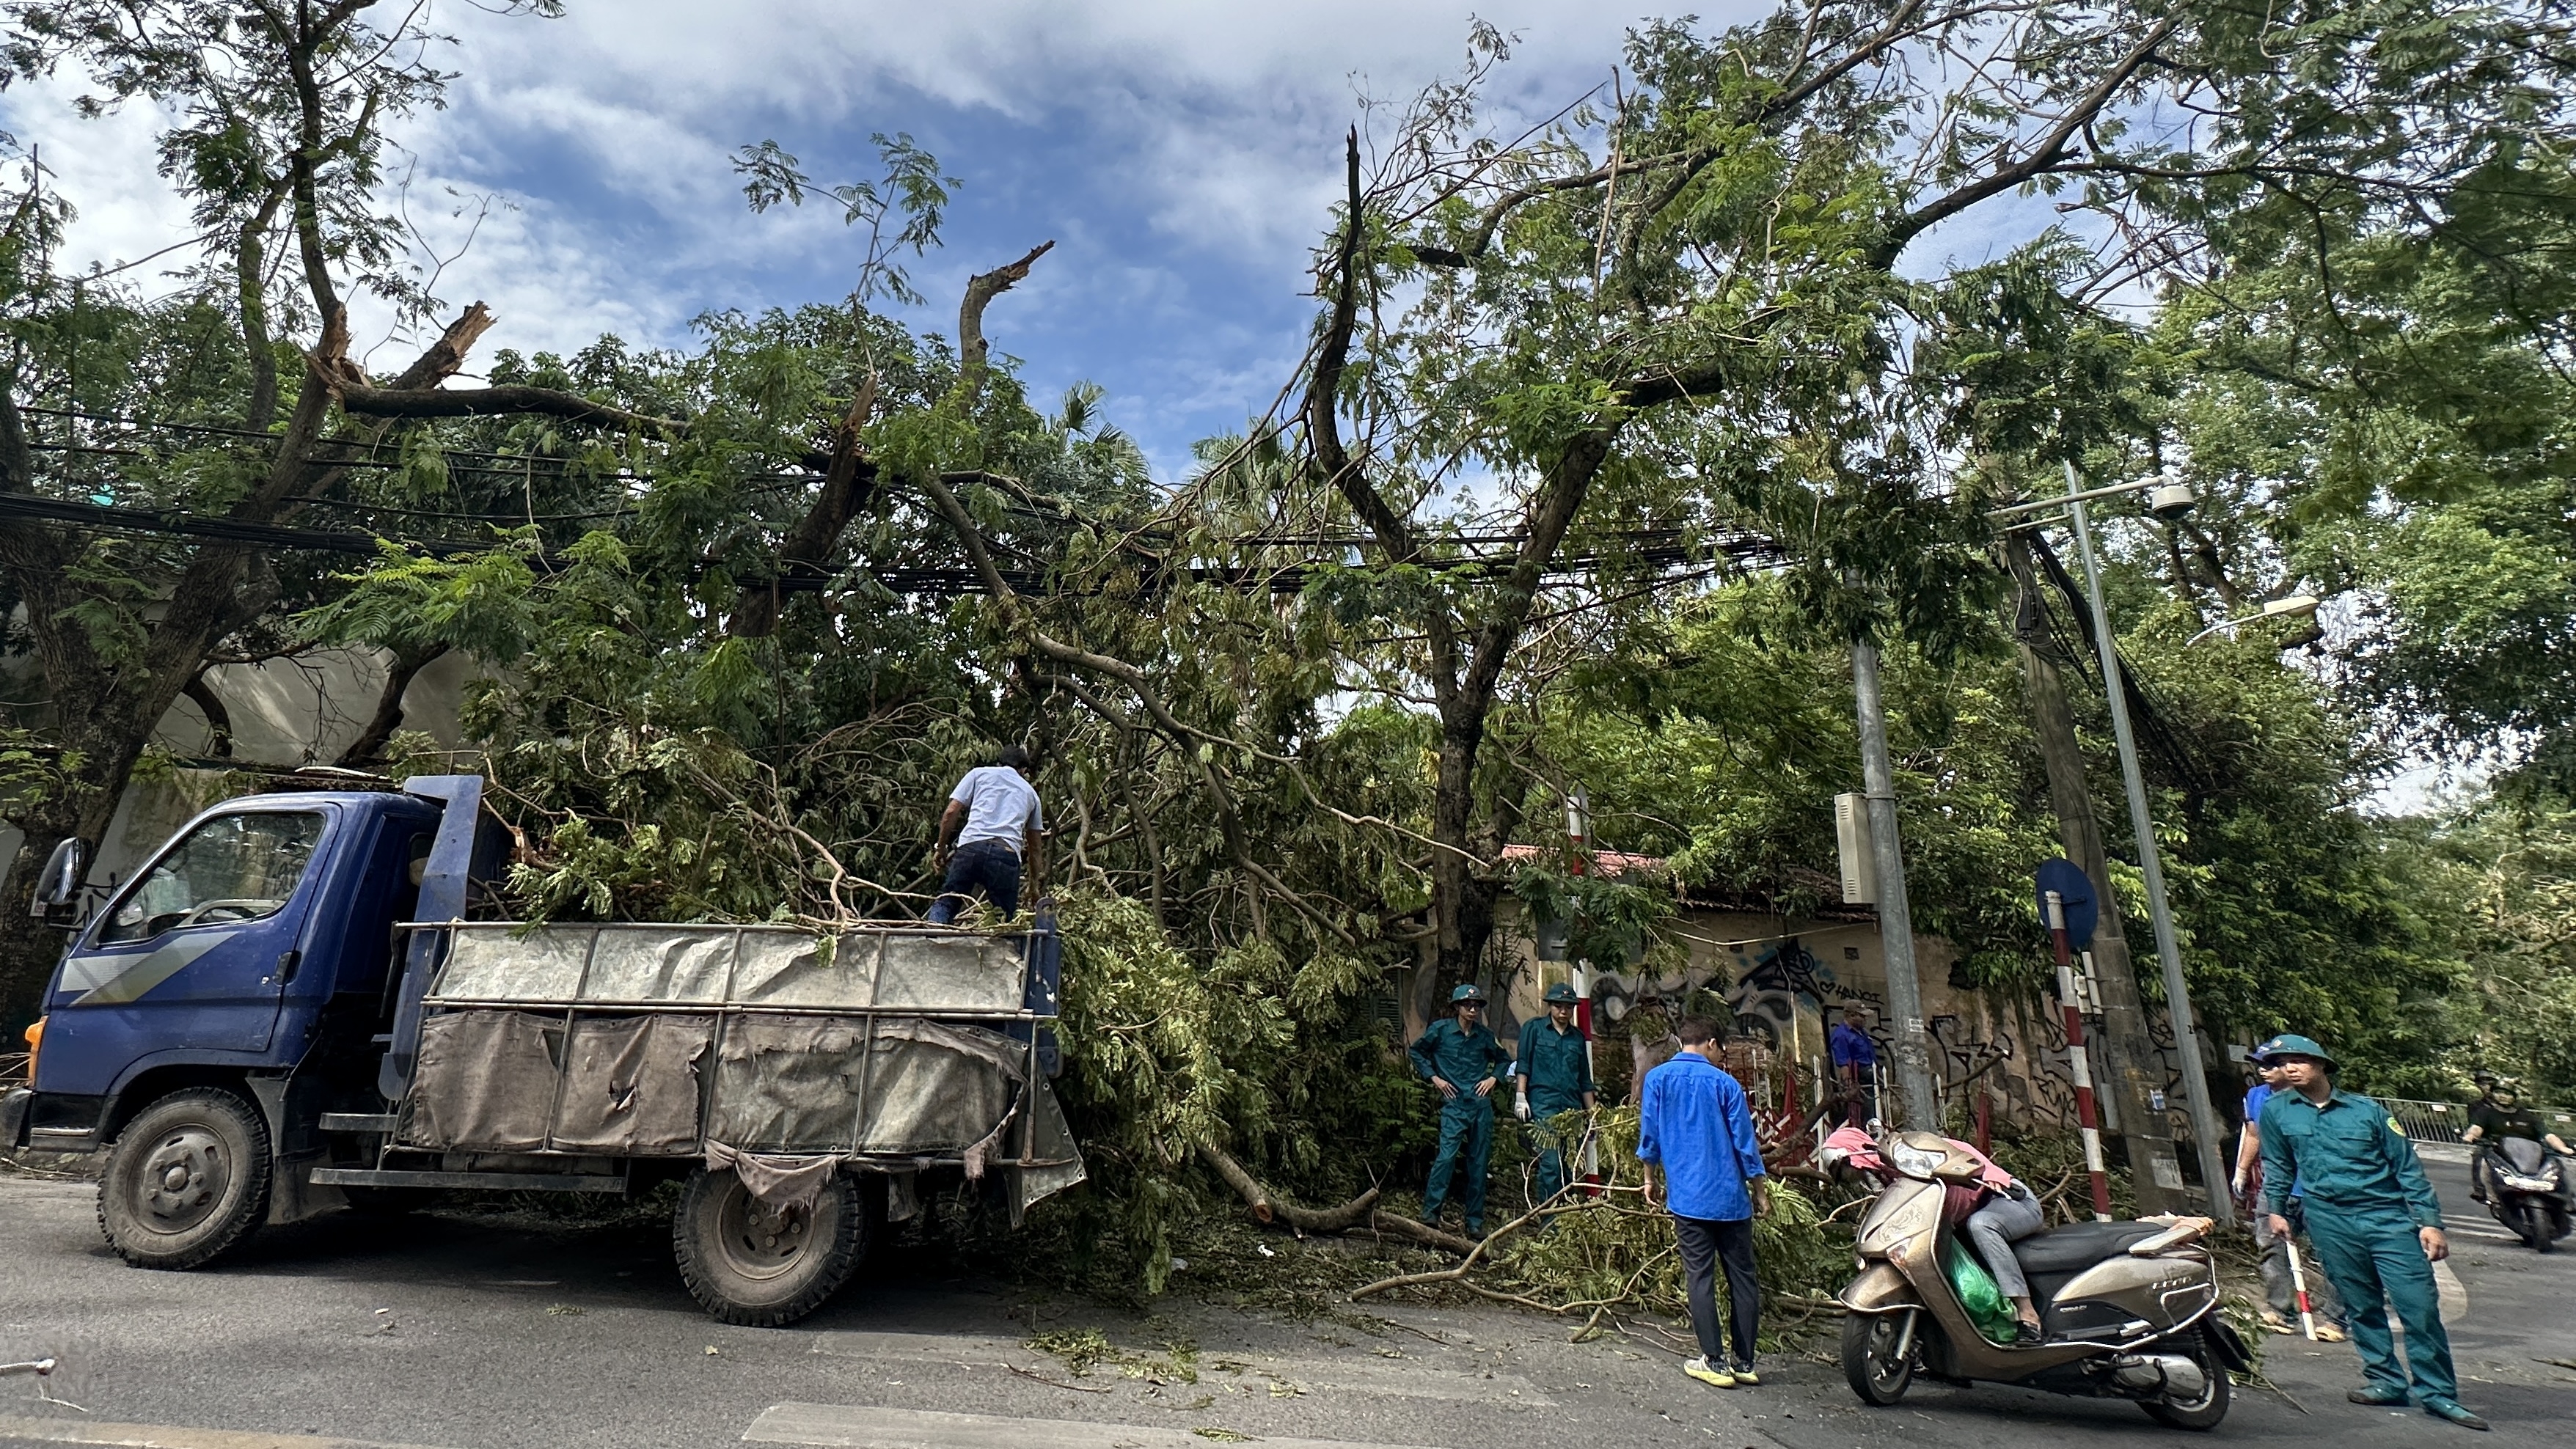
(1182, 155)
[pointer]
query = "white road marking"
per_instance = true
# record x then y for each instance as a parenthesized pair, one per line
(859, 1427)
(1400, 1378)
(166, 1436)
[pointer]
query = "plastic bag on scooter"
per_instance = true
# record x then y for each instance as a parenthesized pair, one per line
(1979, 1295)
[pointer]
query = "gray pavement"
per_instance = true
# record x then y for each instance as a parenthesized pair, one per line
(463, 1332)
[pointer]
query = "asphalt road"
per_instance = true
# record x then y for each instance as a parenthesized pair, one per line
(469, 1333)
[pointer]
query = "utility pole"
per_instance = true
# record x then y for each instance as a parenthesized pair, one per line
(2195, 1083)
(2124, 1047)
(1895, 920)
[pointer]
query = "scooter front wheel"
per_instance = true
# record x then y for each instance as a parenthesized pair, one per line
(1878, 1371)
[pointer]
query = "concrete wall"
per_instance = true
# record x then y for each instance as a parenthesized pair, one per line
(284, 713)
(1787, 980)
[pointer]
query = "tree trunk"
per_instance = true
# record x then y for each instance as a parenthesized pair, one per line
(2125, 1049)
(400, 670)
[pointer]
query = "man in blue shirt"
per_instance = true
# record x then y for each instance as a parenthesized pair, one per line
(1553, 1075)
(992, 826)
(1855, 1063)
(2377, 1225)
(1458, 1056)
(1695, 1129)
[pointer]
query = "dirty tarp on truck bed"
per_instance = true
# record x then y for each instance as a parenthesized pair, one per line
(650, 1040)
(631, 1086)
(934, 972)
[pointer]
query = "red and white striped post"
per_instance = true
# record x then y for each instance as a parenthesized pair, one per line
(1578, 841)
(2086, 1115)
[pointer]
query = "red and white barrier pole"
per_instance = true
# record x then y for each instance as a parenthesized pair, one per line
(2086, 1114)
(2299, 1285)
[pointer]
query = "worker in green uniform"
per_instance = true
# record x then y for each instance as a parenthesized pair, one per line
(2374, 1220)
(1551, 1076)
(1458, 1055)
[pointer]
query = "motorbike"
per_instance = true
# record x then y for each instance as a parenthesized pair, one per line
(2527, 1191)
(2127, 1309)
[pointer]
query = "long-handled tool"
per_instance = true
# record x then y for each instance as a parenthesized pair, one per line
(2299, 1286)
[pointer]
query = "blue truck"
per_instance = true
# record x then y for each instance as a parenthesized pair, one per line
(303, 1002)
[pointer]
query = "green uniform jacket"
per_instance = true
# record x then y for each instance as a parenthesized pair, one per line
(1459, 1058)
(1554, 1063)
(2349, 1155)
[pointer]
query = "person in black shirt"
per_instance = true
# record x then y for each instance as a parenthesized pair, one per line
(2502, 1114)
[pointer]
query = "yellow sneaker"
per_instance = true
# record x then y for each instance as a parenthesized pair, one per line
(1708, 1373)
(2328, 1333)
(1745, 1377)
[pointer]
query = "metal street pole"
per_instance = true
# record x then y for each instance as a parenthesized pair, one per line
(2195, 1084)
(1895, 921)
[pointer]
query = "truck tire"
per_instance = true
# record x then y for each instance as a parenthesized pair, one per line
(760, 1267)
(187, 1180)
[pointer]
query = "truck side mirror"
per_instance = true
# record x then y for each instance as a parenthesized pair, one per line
(58, 886)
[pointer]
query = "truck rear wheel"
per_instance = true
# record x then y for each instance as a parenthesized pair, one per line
(187, 1180)
(761, 1267)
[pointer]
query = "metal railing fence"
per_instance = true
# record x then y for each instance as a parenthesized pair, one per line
(2446, 1121)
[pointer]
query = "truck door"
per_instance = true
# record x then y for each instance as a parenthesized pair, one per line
(196, 951)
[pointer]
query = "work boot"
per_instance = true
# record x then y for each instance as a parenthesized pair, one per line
(2379, 1398)
(2455, 1412)
(1476, 1228)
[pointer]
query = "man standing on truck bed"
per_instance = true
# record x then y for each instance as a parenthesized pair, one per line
(989, 833)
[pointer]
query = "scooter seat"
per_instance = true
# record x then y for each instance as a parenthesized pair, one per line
(2078, 1246)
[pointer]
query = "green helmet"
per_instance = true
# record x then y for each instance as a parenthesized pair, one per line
(1467, 991)
(2291, 1044)
(1561, 992)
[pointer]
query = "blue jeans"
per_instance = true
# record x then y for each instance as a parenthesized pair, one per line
(988, 864)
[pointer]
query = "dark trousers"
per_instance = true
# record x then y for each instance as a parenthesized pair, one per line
(987, 864)
(1466, 1140)
(1706, 1242)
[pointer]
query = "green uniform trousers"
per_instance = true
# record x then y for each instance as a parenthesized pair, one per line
(1552, 1135)
(1466, 1131)
(2376, 1263)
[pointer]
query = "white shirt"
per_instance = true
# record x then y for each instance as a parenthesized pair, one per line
(999, 806)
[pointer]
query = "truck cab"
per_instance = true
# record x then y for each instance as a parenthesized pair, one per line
(262, 928)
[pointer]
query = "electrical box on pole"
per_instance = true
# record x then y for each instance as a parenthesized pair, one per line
(1860, 864)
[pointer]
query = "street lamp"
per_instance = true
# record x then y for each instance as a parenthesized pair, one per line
(2169, 498)
(2297, 606)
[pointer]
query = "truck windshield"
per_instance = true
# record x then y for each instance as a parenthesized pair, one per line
(232, 868)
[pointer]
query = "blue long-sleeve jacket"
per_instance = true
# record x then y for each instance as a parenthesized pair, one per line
(1693, 1119)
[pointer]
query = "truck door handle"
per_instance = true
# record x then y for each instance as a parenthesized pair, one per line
(286, 966)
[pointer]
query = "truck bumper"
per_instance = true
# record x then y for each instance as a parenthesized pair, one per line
(13, 1116)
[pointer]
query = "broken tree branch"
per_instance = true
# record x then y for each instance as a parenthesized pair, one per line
(1267, 1208)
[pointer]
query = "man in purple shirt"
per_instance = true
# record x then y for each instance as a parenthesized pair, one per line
(1695, 1130)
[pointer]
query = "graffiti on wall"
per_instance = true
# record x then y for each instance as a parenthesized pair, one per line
(2013, 1051)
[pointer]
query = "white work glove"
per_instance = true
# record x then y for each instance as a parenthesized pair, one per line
(1520, 1106)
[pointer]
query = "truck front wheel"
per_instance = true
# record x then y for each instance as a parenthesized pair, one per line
(187, 1180)
(749, 1263)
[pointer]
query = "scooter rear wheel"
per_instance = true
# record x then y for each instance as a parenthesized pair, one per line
(1870, 1361)
(2203, 1414)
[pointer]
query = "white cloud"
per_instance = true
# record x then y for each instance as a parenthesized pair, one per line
(1186, 156)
